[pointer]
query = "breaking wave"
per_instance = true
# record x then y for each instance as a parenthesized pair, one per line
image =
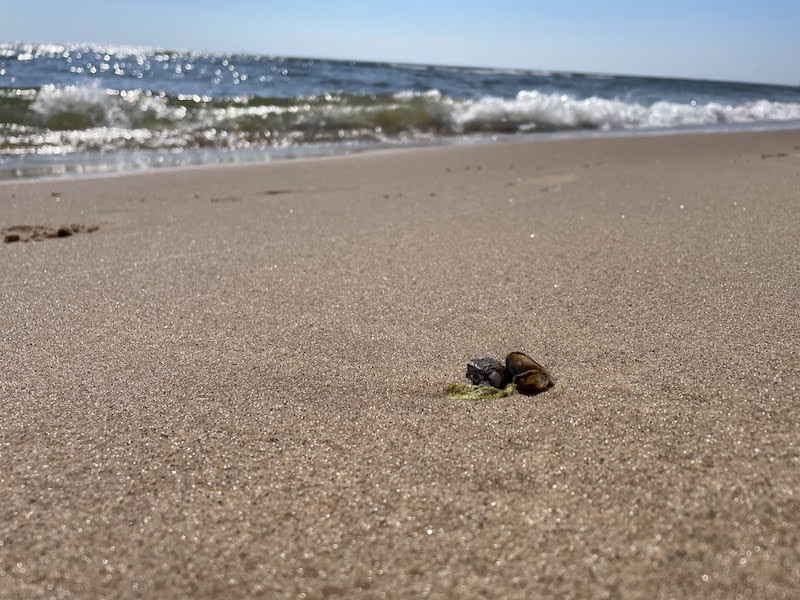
(61, 120)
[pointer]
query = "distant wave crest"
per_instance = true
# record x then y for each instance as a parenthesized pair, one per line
(90, 118)
(536, 111)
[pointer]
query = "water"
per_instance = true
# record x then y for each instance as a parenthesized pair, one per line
(79, 109)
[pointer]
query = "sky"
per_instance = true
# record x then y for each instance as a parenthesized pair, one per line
(738, 40)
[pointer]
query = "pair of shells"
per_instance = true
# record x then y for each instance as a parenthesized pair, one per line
(520, 369)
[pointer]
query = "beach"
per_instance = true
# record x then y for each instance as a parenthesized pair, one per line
(230, 382)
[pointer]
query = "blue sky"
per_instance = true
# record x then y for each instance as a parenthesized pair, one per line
(754, 40)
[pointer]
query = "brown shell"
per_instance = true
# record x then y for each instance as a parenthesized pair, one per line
(532, 382)
(529, 376)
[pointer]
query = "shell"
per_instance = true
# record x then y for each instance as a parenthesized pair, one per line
(487, 371)
(532, 382)
(529, 376)
(519, 362)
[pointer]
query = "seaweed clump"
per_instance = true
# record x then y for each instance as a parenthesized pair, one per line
(466, 391)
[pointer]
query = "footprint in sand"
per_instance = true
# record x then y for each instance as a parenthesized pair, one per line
(225, 199)
(35, 233)
(551, 182)
(232, 198)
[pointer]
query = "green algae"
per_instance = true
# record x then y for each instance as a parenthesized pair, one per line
(465, 391)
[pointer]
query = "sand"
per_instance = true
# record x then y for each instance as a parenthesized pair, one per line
(235, 385)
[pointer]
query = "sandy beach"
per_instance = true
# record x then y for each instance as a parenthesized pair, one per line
(229, 382)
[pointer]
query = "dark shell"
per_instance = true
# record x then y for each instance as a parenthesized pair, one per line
(529, 376)
(486, 371)
(519, 362)
(532, 382)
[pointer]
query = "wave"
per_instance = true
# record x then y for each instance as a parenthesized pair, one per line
(536, 111)
(54, 119)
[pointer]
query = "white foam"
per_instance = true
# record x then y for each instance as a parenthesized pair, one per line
(91, 118)
(109, 108)
(531, 110)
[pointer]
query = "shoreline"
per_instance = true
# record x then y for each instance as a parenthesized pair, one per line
(235, 386)
(310, 153)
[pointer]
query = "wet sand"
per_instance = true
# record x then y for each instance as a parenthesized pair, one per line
(235, 386)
